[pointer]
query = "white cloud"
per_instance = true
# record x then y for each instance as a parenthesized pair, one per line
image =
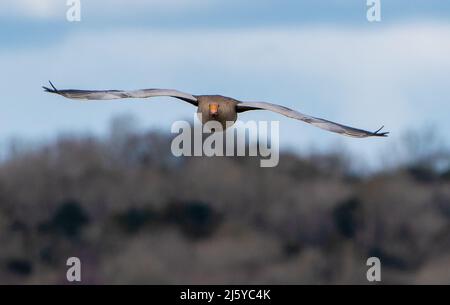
(30, 8)
(51, 9)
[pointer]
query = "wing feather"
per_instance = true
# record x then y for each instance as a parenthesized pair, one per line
(121, 94)
(318, 122)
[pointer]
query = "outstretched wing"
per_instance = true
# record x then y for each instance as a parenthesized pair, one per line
(321, 123)
(119, 94)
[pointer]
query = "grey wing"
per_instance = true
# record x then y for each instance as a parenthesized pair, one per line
(318, 122)
(119, 94)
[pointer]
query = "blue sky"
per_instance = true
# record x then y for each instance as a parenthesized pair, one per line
(320, 57)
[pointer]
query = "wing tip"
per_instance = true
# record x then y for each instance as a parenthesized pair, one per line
(50, 90)
(380, 134)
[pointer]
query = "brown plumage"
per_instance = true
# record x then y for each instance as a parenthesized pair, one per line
(216, 107)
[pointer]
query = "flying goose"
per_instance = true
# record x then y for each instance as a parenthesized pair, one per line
(215, 107)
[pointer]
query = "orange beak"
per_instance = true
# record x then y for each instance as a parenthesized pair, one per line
(213, 109)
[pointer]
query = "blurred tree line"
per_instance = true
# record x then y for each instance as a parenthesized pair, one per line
(135, 214)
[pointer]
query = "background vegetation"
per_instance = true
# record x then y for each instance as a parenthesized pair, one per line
(135, 214)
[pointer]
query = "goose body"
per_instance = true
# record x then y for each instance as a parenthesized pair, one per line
(216, 107)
